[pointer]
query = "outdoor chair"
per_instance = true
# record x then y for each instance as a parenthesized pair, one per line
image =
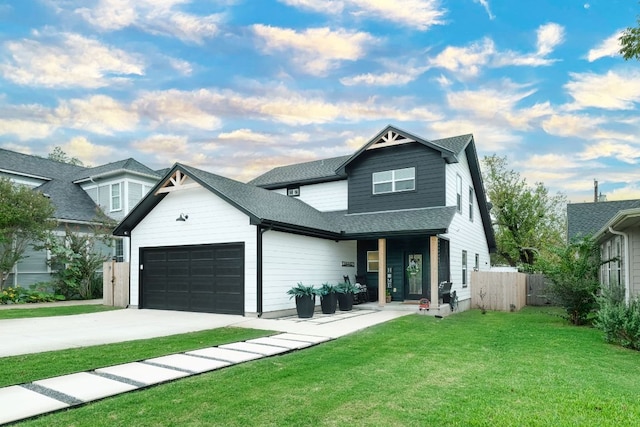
(444, 292)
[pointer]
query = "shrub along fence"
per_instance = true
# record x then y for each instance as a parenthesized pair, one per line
(500, 291)
(115, 283)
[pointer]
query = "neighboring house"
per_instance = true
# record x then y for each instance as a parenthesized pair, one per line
(202, 242)
(615, 226)
(76, 192)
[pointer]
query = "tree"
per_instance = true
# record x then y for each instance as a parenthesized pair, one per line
(630, 42)
(76, 258)
(59, 155)
(573, 270)
(526, 220)
(25, 218)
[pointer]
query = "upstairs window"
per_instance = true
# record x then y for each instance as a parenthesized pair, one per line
(293, 191)
(459, 193)
(394, 181)
(116, 197)
(470, 203)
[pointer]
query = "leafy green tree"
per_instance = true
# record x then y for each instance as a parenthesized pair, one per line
(573, 270)
(59, 155)
(76, 258)
(630, 42)
(25, 218)
(526, 219)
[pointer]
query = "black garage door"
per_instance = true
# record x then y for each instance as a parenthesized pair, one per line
(203, 278)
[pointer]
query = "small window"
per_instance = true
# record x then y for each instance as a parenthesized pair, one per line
(471, 203)
(464, 269)
(293, 191)
(116, 197)
(372, 261)
(459, 193)
(476, 265)
(394, 181)
(119, 250)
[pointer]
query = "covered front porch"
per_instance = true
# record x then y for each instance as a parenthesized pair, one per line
(408, 268)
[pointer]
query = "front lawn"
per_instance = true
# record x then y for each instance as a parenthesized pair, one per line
(499, 369)
(63, 310)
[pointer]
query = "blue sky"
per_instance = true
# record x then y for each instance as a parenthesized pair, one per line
(239, 87)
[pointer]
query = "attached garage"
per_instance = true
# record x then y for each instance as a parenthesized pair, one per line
(202, 278)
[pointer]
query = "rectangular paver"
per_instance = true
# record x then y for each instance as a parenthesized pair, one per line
(190, 363)
(18, 403)
(226, 354)
(265, 350)
(143, 373)
(290, 344)
(85, 386)
(299, 337)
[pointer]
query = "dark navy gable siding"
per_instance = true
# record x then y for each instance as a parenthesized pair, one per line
(430, 178)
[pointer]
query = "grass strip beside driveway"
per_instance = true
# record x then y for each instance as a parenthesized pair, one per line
(500, 369)
(30, 367)
(21, 313)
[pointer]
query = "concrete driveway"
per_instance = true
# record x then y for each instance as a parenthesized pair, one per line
(35, 335)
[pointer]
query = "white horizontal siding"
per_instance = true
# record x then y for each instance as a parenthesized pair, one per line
(290, 258)
(463, 233)
(325, 197)
(211, 220)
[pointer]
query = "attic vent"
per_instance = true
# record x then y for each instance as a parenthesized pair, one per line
(176, 182)
(389, 139)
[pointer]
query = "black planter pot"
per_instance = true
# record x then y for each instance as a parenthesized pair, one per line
(305, 306)
(345, 301)
(328, 303)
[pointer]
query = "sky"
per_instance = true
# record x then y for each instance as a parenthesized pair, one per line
(238, 87)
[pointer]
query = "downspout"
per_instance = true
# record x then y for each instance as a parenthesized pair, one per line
(260, 231)
(627, 285)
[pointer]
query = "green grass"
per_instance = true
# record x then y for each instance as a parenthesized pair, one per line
(20, 313)
(30, 367)
(499, 369)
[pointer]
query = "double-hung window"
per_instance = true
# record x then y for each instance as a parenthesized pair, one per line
(394, 181)
(372, 261)
(464, 269)
(116, 197)
(470, 203)
(459, 193)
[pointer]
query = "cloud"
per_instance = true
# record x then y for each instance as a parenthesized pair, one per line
(162, 145)
(314, 50)
(158, 17)
(465, 61)
(625, 153)
(611, 91)
(98, 114)
(67, 60)
(569, 125)
(176, 109)
(549, 36)
(487, 8)
(87, 152)
(26, 130)
(417, 14)
(245, 135)
(384, 79)
(489, 136)
(609, 47)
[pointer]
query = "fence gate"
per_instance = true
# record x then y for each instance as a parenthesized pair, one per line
(537, 290)
(115, 283)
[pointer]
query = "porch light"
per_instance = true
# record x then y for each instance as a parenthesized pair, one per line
(182, 217)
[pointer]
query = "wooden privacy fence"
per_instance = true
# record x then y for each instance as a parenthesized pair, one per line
(501, 291)
(115, 283)
(537, 293)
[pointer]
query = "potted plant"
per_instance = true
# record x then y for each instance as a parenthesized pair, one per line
(328, 298)
(345, 295)
(388, 295)
(305, 299)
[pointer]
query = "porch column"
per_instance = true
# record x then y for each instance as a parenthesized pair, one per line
(433, 252)
(382, 272)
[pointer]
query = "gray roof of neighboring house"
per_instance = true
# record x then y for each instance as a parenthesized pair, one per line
(281, 212)
(585, 219)
(455, 143)
(300, 173)
(72, 203)
(128, 165)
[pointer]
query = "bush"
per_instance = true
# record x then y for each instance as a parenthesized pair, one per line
(619, 322)
(20, 295)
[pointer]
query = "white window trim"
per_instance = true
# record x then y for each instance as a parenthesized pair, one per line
(111, 187)
(393, 181)
(370, 270)
(471, 194)
(464, 261)
(459, 193)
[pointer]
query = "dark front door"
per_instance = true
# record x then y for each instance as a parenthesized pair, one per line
(202, 278)
(414, 271)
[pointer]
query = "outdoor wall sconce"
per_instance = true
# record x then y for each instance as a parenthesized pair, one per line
(182, 217)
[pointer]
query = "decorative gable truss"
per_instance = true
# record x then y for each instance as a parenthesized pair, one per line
(176, 182)
(389, 139)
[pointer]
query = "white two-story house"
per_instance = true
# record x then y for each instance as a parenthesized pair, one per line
(202, 242)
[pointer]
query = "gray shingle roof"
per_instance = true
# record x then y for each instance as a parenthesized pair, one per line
(34, 165)
(299, 173)
(128, 165)
(454, 143)
(585, 219)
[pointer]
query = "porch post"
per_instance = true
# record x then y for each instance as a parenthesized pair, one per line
(382, 272)
(433, 251)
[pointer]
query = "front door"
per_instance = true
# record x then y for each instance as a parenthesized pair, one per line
(414, 274)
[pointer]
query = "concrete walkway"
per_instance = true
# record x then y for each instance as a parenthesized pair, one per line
(22, 336)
